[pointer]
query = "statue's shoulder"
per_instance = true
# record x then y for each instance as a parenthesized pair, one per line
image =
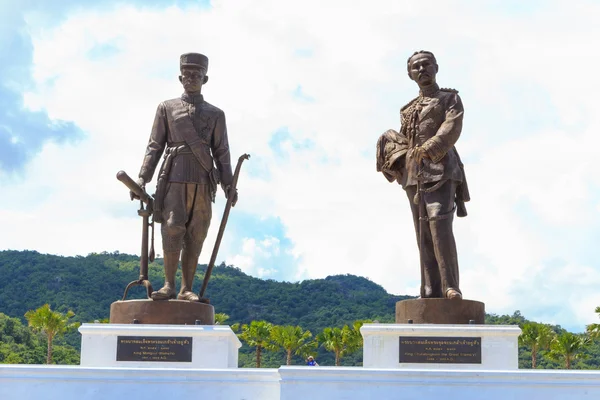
(407, 105)
(448, 96)
(448, 90)
(171, 103)
(209, 108)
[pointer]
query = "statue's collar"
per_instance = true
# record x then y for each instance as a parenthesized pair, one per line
(429, 91)
(195, 99)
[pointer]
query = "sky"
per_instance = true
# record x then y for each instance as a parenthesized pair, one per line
(307, 88)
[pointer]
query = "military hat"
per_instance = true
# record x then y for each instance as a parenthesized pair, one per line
(193, 60)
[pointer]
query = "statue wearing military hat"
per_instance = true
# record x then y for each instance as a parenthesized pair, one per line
(192, 60)
(192, 135)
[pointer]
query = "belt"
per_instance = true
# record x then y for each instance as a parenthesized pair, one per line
(174, 150)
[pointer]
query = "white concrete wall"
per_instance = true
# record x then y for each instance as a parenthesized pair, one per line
(25, 382)
(318, 383)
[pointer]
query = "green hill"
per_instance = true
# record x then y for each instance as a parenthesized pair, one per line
(88, 285)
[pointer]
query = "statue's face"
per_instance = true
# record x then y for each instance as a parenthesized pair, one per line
(423, 69)
(192, 79)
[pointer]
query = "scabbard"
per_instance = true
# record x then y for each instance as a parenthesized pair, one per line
(161, 186)
(214, 183)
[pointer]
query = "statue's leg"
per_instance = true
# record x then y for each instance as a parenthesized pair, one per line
(440, 208)
(430, 276)
(200, 213)
(172, 230)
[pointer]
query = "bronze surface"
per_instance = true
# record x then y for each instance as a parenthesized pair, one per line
(190, 135)
(174, 312)
(440, 311)
(422, 157)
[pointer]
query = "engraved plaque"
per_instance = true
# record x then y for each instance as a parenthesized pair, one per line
(440, 350)
(154, 348)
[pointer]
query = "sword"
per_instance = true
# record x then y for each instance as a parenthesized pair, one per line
(145, 213)
(420, 202)
(230, 197)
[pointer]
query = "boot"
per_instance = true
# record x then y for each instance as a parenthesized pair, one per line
(171, 259)
(189, 263)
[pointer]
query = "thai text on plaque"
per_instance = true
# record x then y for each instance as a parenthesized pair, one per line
(154, 348)
(442, 350)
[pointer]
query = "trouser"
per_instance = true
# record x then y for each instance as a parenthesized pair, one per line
(187, 212)
(439, 260)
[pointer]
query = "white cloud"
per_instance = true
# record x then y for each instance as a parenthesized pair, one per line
(339, 214)
(253, 254)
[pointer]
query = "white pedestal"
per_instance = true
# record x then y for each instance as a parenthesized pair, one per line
(212, 346)
(499, 345)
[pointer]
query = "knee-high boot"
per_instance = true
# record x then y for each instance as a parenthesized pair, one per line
(189, 263)
(171, 259)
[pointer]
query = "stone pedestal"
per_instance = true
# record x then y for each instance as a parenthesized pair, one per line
(458, 347)
(167, 312)
(440, 311)
(158, 346)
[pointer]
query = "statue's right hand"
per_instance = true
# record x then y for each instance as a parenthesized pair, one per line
(141, 183)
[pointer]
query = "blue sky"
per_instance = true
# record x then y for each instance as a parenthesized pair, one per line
(307, 88)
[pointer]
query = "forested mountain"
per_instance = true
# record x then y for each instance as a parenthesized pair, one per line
(88, 285)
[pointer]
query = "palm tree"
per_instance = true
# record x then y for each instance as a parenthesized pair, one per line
(293, 339)
(538, 337)
(333, 340)
(342, 341)
(220, 318)
(568, 347)
(257, 334)
(594, 329)
(357, 338)
(51, 323)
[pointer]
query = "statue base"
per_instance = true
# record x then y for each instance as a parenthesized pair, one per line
(158, 346)
(168, 312)
(447, 347)
(440, 311)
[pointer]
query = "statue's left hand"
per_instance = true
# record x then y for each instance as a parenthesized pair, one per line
(418, 154)
(228, 189)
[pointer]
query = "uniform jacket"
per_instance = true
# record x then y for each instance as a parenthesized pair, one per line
(434, 121)
(172, 118)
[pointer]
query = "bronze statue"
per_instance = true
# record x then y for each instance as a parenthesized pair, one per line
(423, 159)
(192, 134)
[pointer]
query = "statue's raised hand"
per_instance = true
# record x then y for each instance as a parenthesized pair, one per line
(141, 183)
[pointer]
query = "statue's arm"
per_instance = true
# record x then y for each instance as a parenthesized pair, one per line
(220, 150)
(156, 144)
(448, 133)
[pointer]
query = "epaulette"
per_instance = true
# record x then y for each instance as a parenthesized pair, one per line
(449, 90)
(408, 104)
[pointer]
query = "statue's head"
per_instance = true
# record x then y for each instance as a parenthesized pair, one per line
(422, 68)
(193, 67)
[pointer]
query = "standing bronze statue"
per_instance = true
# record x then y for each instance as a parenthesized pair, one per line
(422, 158)
(192, 135)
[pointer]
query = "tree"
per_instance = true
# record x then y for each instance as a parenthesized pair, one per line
(294, 340)
(333, 340)
(51, 323)
(257, 334)
(538, 337)
(341, 341)
(357, 339)
(220, 318)
(594, 329)
(568, 347)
